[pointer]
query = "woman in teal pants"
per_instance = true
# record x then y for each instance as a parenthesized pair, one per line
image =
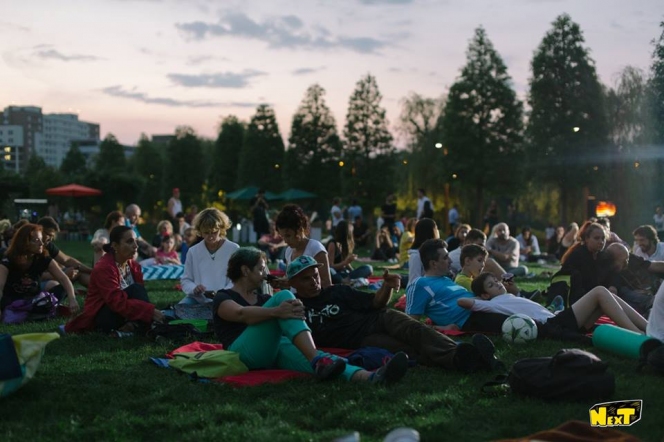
(270, 331)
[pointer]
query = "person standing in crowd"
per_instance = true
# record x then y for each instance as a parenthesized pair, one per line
(259, 207)
(658, 217)
(336, 212)
(174, 204)
(389, 211)
(354, 211)
(453, 219)
(424, 205)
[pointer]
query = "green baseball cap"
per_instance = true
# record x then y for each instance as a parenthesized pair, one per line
(299, 264)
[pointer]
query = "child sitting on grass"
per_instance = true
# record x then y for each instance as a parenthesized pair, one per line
(473, 258)
(166, 254)
(493, 297)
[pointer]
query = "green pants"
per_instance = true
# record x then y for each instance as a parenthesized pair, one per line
(269, 344)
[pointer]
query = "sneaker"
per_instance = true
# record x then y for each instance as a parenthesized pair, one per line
(326, 367)
(392, 371)
(557, 305)
(487, 352)
(467, 358)
(121, 334)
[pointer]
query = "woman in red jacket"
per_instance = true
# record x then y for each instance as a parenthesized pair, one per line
(116, 299)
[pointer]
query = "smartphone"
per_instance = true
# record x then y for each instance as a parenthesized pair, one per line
(508, 277)
(209, 294)
(270, 278)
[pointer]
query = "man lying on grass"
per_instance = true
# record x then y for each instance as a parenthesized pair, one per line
(492, 297)
(435, 295)
(340, 316)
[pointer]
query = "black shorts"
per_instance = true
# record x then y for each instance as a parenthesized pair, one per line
(484, 322)
(566, 320)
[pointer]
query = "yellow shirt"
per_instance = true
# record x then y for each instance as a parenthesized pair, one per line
(464, 281)
(406, 241)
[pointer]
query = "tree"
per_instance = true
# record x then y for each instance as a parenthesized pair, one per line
(41, 176)
(185, 166)
(567, 128)
(111, 158)
(368, 149)
(482, 125)
(420, 124)
(148, 165)
(631, 132)
(656, 86)
(314, 147)
(226, 157)
(262, 154)
(74, 164)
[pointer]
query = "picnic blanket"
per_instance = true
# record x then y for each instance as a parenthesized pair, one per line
(152, 273)
(252, 377)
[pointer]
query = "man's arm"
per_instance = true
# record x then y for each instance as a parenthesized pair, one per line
(466, 303)
(391, 282)
(65, 260)
(656, 267)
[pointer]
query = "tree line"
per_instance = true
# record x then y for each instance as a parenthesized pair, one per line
(572, 137)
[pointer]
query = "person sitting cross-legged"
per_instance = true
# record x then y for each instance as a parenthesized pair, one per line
(340, 316)
(435, 295)
(492, 297)
(270, 331)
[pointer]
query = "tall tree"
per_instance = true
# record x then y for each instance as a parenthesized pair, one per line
(482, 126)
(631, 132)
(111, 158)
(656, 106)
(148, 165)
(226, 157)
(262, 154)
(369, 150)
(567, 127)
(314, 147)
(420, 124)
(41, 176)
(184, 166)
(74, 165)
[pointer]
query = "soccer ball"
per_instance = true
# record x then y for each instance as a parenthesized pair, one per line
(519, 329)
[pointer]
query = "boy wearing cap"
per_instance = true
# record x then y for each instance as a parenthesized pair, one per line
(340, 316)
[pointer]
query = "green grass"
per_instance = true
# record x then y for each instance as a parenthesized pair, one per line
(93, 387)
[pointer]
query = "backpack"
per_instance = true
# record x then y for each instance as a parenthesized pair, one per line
(174, 331)
(570, 375)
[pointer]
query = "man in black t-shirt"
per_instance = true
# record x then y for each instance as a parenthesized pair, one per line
(340, 316)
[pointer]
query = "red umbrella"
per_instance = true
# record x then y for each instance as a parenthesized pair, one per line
(73, 190)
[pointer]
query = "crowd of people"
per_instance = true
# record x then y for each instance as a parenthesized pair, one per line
(466, 282)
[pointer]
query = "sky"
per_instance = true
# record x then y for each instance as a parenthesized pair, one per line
(148, 66)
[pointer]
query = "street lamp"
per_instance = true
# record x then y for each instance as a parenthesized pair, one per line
(439, 145)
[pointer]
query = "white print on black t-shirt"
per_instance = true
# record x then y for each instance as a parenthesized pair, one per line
(328, 311)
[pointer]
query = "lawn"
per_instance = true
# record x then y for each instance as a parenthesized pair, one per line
(94, 387)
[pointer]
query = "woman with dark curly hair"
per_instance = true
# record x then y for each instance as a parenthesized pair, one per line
(293, 226)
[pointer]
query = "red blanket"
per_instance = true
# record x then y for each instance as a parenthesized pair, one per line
(253, 377)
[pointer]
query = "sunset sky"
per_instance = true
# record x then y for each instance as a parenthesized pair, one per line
(150, 65)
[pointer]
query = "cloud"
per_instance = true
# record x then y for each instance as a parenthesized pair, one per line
(281, 32)
(386, 2)
(120, 92)
(7, 26)
(200, 59)
(43, 51)
(305, 71)
(219, 80)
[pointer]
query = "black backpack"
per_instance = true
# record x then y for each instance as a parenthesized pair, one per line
(570, 375)
(652, 356)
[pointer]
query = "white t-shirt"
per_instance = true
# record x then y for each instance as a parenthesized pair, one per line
(509, 304)
(312, 249)
(655, 326)
(176, 207)
(337, 215)
(455, 256)
(658, 255)
(201, 268)
(415, 267)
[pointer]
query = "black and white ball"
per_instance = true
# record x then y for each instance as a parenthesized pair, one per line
(519, 329)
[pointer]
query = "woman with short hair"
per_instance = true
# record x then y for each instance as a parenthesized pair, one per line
(207, 262)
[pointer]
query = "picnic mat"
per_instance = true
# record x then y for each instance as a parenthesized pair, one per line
(152, 273)
(252, 377)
